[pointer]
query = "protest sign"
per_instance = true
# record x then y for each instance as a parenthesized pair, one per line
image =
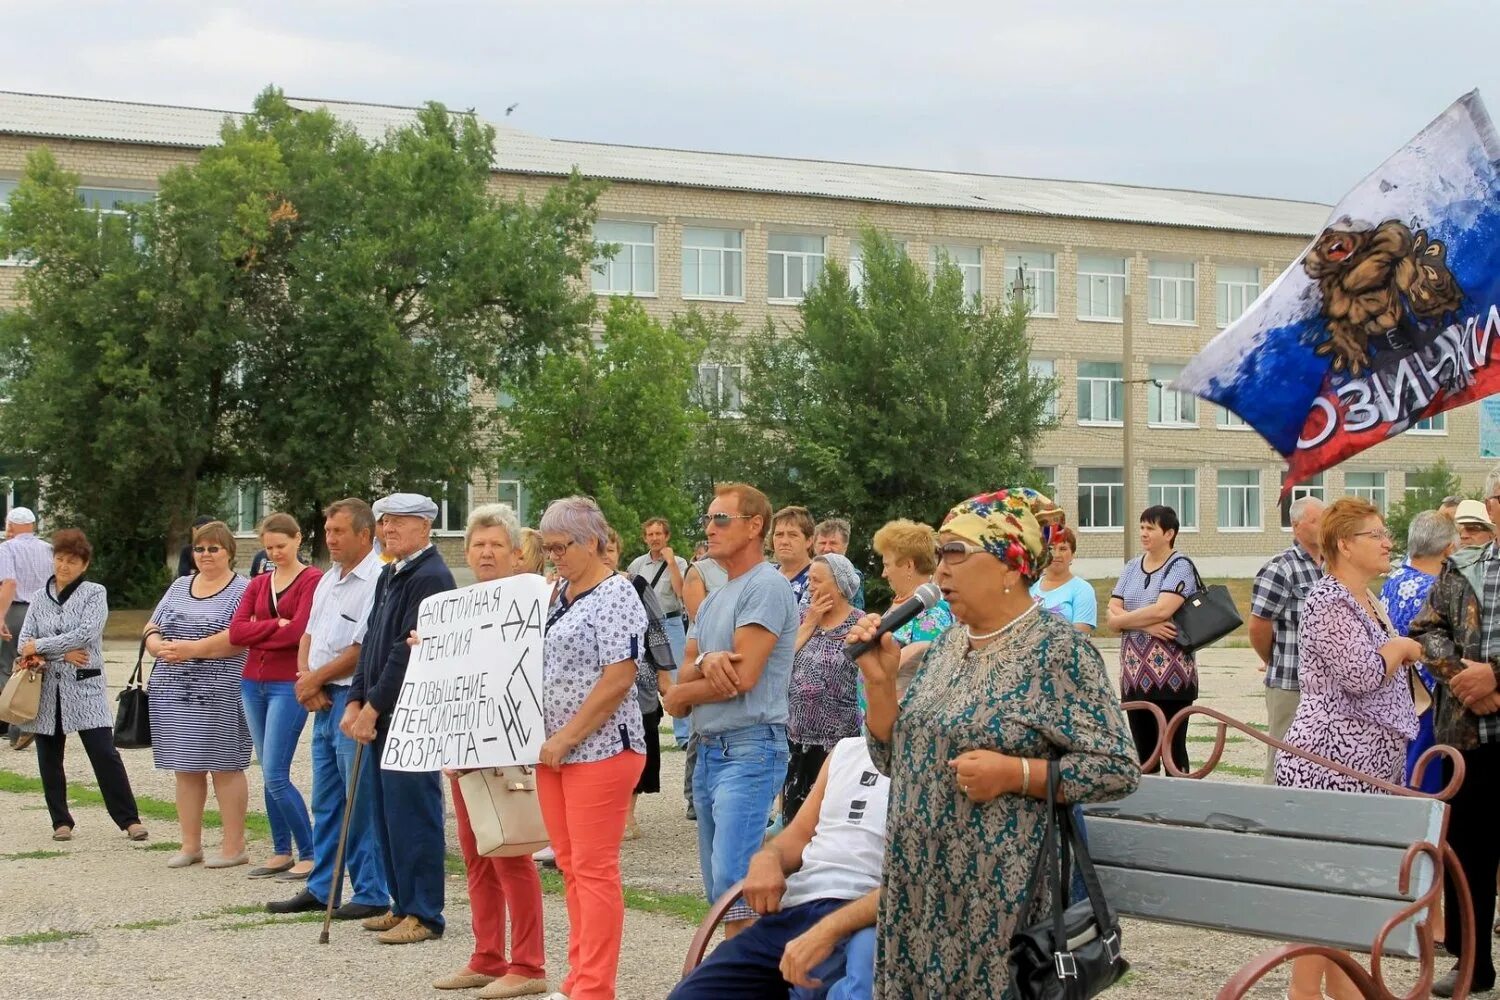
(473, 690)
(1390, 316)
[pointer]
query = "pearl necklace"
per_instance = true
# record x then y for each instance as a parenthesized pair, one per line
(985, 637)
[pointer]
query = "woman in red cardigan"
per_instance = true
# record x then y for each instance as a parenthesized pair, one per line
(270, 623)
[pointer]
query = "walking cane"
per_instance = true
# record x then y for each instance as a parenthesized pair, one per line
(338, 859)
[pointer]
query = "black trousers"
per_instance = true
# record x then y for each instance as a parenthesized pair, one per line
(650, 782)
(109, 771)
(1145, 732)
(804, 761)
(1472, 818)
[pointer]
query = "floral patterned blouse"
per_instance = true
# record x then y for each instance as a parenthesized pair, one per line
(601, 626)
(821, 702)
(925, 627)
(1404, 593)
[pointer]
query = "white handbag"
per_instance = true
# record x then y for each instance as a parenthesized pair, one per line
(503, 811)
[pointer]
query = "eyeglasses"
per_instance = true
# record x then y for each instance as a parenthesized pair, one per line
(210, 550)
(954, 553)
(555, 550)
(721, 520)
(1379, 536)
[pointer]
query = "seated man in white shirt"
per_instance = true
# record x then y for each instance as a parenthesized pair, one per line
(817, 887)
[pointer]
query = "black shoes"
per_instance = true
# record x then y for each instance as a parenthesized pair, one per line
(358, 911)
(303, 902)
(1445, 987)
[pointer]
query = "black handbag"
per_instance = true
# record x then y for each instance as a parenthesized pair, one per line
(1073, 954)
(1206, 616)
(133, 717)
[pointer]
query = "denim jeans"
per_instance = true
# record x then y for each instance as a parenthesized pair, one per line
(332, 761)
(676, 629)
(276, 721)
(734, 786)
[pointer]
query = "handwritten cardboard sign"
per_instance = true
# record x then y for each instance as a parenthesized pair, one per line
(473, 690)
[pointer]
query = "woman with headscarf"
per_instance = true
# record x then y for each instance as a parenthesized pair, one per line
(997, 696)
(822, 707)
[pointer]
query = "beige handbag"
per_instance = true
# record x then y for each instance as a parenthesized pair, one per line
(22, 698)
(503, 810)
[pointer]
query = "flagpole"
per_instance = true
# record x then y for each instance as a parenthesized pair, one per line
(1127, 451)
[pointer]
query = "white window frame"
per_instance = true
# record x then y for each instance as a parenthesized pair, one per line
(446, 530)
(239, 527)
(1437, 426)
(1114, 296)
(974, 271)
(857, 263)
(1228, 420)
(1186, 495)
(1110, 487)
(1175, 410)
(1049, 476)
(1224, 490)
(1315, 486)
(1377, 493)
(602, 268)
(719, 369)
(1115, 387)
(1047, 368)
(7, 185)
(1025, 261)
(1226, 290)
(1182, 292)
(802, 257)
(500, 485)
(720, 253)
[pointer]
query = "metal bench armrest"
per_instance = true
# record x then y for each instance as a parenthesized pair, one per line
(706, 929)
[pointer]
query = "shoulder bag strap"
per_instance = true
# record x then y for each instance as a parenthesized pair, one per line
(657, 578)
(1191, 565)
(140, 657)
(1056, 816)
(1039, 870)
(1086, 870)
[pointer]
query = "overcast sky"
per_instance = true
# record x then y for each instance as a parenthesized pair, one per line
(1294, 99)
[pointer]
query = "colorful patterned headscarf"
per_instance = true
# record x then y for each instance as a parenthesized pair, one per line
(1016, 526)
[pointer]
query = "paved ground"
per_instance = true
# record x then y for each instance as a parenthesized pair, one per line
(101, 917)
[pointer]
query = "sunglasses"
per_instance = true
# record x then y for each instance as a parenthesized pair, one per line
(721, 520)
(956, 552)
(209, 550)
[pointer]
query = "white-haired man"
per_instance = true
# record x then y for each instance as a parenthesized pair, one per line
(25, 568)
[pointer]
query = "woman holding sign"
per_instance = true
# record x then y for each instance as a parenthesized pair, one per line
(593, 756)
(497, 886)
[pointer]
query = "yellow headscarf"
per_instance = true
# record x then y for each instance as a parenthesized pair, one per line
(1015, 525)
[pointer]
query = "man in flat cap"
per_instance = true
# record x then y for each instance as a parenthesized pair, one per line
(408, 805)
(25, 568)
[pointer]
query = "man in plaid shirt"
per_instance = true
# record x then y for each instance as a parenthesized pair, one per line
(1459, 629)
(1276, 614)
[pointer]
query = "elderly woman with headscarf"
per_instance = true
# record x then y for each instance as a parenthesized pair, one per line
(822, 704)
(998, 696)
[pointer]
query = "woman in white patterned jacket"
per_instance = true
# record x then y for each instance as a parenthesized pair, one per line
(63, 636)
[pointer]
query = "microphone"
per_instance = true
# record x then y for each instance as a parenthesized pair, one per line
(921, 600)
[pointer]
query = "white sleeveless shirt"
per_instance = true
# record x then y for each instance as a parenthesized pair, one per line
(843, 860)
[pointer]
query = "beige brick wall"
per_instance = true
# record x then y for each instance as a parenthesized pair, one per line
(1064, 339)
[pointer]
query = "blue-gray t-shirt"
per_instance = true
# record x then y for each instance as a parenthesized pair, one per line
(760, 596)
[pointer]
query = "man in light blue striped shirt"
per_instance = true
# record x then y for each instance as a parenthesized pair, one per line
(25, 568)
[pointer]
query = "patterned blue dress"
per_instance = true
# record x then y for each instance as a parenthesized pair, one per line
(1404, 593)
(956, 871)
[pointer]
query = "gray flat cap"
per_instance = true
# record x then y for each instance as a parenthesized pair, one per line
(412, 504)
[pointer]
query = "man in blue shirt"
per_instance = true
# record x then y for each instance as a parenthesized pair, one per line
(734, 684)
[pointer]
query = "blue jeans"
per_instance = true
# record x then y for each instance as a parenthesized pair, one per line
(409, 807)
(332, 760)
(676, 629)
(734, 785)
(276, 721)
(748, 965)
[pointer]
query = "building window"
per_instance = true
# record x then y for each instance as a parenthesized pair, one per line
(968, 260)
(1101, 499)
(632, 271)
(719, 388)
(1168, 407)
(1231, 421)
(1046, 368)
(1435, 424)
(1101, 287)
(857, 262)
(1101, 392)
(6, 188)
(1237, 287)
(1048, 475)
(713, 264)
(1172, 291)
(1038, 271)
(113, 201)
(18, 490)
(1178, 489)
(244, 507)
(1239, 499)
(794, 265)
(1312, 486)
(1367, 486)
(454, 501)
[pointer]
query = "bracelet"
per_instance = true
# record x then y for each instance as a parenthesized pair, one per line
(1025, 776)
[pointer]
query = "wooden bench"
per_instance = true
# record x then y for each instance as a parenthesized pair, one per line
(1333, 872)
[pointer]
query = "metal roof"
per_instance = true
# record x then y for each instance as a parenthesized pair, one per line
(525, 153)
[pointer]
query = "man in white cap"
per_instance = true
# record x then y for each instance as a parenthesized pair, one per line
(408, 805)
(25, 568)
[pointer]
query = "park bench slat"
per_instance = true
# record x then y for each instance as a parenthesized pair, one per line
(1311, 814)
(1319, 866)
(1348, 922)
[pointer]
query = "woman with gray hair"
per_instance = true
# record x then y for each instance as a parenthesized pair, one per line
(593, 755)
(1430, 539)
(822, 702)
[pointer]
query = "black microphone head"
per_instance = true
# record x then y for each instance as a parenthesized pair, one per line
(929, 594)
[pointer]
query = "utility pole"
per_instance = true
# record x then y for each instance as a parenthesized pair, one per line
(1127, 474)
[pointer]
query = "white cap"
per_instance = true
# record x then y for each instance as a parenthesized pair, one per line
(408, 504)
(21, 515)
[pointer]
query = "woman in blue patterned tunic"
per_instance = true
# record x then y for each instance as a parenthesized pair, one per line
(996, 697)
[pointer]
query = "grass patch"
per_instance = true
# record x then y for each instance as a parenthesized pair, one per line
(271, 921)
(244, 910)
(163, 845)
(1210, 739)
(126, 623)
(1240, 771)
(148, 925)
(40, 937)
(148, 806)
(34, 855)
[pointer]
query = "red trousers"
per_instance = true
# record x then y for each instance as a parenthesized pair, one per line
(498, 885)
(584, 807)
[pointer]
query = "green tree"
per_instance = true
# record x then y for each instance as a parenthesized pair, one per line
(611, 420)
(1425, 490)
(896, 399)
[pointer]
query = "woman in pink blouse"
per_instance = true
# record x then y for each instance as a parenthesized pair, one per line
(1356, 706)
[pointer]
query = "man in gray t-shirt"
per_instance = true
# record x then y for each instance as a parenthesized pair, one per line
(734, 684)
